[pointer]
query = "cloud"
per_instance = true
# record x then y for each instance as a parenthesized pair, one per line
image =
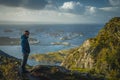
(115, 2)
(51, 11)
(35, 4)
(31, 4)
(110, 9)
(11, 2)
(72, 7)
(51, 7)
(77, 8)
(90, 10)
(20, 14)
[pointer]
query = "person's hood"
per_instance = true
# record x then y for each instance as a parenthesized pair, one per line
(24, 37)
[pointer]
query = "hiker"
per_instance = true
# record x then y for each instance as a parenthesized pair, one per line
(25, 50)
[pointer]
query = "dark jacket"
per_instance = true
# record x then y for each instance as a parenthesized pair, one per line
(25, 44)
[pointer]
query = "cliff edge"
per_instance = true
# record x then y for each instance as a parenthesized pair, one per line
(100, 54)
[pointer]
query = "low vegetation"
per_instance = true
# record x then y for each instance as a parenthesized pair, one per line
(51, 57)
(99, 55)
(9, 68)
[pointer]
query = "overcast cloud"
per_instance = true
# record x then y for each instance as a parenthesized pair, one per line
(59, 11)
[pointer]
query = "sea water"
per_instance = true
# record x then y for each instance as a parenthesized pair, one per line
(50, 37)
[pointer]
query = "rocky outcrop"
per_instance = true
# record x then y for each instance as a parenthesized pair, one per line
(51, 58)
(9, 67)
(10, 70)
(100, 54)
(46, 72)
(81, 57)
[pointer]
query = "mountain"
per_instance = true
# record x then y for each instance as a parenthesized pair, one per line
(100, 54)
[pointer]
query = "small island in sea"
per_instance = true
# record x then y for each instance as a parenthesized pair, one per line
(14, 41)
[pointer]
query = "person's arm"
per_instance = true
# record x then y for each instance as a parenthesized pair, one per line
(23, 44)
(28, 47)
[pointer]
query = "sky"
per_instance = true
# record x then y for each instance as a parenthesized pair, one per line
(58, 11)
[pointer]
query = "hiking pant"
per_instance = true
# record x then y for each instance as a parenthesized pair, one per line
(24, 61)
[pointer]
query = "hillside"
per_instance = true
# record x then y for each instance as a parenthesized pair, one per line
(8, 67)
(100, 54)
(51, 57)
(9, 70)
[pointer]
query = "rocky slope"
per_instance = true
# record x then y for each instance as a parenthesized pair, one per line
(51, 57)
(9, 70)
(100, 54)
(8, 67)
(80, 57)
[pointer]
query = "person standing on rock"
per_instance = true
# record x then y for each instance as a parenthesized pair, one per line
(25, 50)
